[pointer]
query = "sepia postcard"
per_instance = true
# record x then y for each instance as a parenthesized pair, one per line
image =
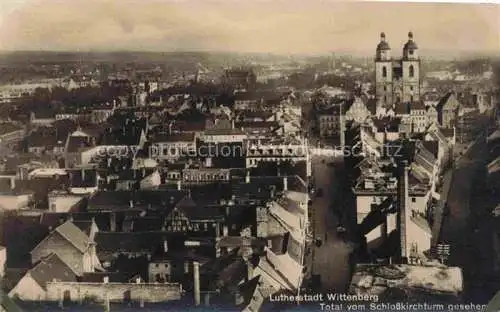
(162, 155)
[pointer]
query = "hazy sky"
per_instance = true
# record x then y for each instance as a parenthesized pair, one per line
(278, 26)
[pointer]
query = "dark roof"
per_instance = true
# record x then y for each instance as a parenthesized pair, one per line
(383, 45)
(20, 234)
(130, 241)
(432, 146)
(253, 114)
(443, 101)
(391, 124)
(41, 139)
(126, 136)
(418, 105)
(52, 268)
(102, 219)
(44, 113)
(83, 178)
(176, 137)
(447, 132)
(195, 211)
(84, 225)
(98, 277)
(145, 224)
(257, 124)
(410, 45)
(150, 199)
(371, 105)
(402, 108)
(77, 143)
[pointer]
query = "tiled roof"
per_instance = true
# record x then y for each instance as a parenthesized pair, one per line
(74, 235)
(449, 133)
(41, 140)
(432, 146)
(52, 268)
(418, 105)
(177, 137)
(224, 132)
(195, 211)
(98, 277)
(7, 127)
(130, 241)
(402, 109)
(84, 225)
(77, 143)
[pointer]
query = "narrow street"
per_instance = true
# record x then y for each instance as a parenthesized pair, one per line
(331, 260)
(467, 228)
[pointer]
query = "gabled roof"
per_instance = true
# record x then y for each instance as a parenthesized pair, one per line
(74, 235)
(52, 268)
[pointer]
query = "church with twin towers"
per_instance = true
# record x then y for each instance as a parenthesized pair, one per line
(397, 80)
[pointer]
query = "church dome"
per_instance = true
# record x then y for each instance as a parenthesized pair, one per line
(383, 45)
(410, 45)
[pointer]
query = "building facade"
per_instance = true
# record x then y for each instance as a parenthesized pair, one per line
(397, 80)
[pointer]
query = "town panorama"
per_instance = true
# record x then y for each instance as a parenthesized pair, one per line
(158, 181)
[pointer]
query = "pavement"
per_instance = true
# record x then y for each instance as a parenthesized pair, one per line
(466, 228)
(331, 259)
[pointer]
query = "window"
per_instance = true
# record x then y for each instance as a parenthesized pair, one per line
(385, 88)
(411, 88)
(413, 200)
(384, 72)
(411, 71)
(411, 98)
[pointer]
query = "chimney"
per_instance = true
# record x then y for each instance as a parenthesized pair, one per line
(83, 174)
(112, 222)
(273, 191)
(285, 184)
(13, 183)
(165, 245)
(105, 280)
(179, 185)
(247, 177)
(196, 276)
(143, 172)
(232, 123)
(403, 214)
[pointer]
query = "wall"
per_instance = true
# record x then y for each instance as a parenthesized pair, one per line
(3, 259)
(418, 236)
(115, 292)
(27, 289)
(14, 202)
(63, 203)
(67, 252)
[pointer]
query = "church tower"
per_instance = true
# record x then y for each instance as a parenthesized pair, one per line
(383, 72)
(411, 71)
